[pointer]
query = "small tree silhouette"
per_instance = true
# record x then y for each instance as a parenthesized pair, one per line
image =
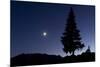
(71, 38)
(88, 50)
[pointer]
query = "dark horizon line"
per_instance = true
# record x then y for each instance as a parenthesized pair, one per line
(48, 54)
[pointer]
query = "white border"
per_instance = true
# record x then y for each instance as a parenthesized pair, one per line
(5, 33)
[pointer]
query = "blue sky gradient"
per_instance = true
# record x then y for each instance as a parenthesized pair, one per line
(30, 19)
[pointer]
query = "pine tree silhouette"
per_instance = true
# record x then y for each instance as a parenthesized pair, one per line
(71, 39)
(88, 50)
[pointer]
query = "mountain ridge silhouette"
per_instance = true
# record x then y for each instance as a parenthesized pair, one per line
(40, 59)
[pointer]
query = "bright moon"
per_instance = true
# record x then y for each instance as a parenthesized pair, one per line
(44, 34)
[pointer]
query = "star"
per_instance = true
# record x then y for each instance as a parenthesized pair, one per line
(44, 33)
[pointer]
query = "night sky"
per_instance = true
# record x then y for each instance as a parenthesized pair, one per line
(30, 19)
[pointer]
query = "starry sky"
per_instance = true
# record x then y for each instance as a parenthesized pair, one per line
(30, 19)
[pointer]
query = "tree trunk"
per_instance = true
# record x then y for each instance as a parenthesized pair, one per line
(72, 53)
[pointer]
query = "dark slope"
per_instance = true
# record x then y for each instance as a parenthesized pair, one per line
(40, 59)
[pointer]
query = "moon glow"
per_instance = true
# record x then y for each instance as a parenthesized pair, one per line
(44, 33)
